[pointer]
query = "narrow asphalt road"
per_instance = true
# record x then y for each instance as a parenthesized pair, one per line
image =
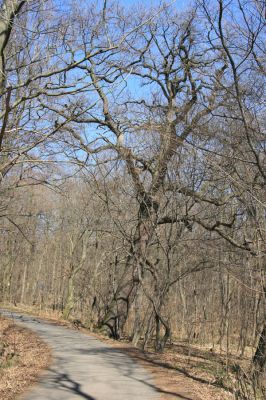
(85, 368)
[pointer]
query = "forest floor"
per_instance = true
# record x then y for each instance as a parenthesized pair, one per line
(23, 356)
(182, 371)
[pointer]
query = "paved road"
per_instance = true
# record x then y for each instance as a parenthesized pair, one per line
(85, 368)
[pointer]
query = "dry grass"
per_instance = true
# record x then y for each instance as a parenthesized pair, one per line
(22, 358)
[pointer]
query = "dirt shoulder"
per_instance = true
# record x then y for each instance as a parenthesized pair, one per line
(178, 373)
(23, 356)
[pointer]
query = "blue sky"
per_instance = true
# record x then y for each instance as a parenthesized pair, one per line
(178, 3)
(63, 4)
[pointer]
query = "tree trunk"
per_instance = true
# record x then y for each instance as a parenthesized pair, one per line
(138, 323)
(259, 358)
(74, 269)
(127, 290)
(70, 299)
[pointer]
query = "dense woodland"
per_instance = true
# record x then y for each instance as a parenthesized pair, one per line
(133, 168)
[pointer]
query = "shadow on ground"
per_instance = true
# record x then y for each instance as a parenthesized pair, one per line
(148, 359)
(116, 358)
(63, 381)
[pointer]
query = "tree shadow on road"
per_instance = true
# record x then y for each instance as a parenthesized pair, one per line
(62, 380)
(127, 367)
